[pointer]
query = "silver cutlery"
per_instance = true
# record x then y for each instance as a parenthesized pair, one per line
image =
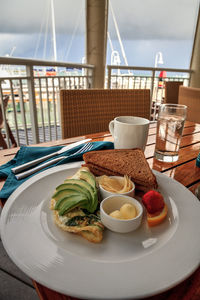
(85, 148)
(43, 158)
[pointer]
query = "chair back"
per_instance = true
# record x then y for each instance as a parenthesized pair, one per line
(90, 111)
(172, 91)
(191, 97)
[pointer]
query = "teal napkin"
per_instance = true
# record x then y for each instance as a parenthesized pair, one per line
(26, 154)
(198, 160)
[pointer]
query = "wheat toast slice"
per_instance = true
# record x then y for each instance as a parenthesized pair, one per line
(131, 162)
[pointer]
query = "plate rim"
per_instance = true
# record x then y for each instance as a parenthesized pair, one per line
(72, 165)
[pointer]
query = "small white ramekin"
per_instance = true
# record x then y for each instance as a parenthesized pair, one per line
(115, 202)
(104, 193)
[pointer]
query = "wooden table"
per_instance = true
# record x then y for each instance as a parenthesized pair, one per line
(184, 171)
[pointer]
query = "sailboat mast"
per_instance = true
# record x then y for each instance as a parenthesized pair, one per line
(109, 39)
(53, 30)
(119, 37)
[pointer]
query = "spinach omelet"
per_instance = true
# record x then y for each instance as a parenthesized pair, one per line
(75, 206)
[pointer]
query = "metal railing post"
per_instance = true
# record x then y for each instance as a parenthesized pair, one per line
(4, 117)
(91, 74)
(32, 104)
(109, 77)
(152, 84)
(89, 77)
(152, 90)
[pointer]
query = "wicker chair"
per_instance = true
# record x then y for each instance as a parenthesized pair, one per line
(172, 91)
(191, 97)
(90, 111)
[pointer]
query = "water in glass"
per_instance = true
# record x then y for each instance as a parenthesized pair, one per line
(168, 137)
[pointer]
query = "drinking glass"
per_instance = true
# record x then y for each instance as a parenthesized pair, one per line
(171, 119)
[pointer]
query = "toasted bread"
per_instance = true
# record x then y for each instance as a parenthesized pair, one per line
(131, 162)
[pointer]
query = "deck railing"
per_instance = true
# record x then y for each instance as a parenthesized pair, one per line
(130, 77)
(33, 107)
(33, 88)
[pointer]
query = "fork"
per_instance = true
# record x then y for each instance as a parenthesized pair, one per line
(87, 147)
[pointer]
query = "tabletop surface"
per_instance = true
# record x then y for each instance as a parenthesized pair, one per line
(184, 171)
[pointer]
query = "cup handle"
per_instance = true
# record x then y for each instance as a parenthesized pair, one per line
(111, 127)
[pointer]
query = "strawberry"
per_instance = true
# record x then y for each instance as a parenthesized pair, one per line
(153, 202)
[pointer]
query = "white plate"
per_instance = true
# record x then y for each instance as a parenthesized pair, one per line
(124, 266)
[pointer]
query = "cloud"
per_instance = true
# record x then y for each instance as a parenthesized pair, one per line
(154, 19)
(136, 19)
(28, 16)
(20, 43)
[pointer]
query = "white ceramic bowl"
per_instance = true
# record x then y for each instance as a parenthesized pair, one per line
(115, 202)
(104, 193)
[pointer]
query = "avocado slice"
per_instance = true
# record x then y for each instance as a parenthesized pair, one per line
(75, 186)
(59, 194)
(92, 191)
(71, 203)
(82, 183)
(78, 186)
(88, 177)
(63, 198)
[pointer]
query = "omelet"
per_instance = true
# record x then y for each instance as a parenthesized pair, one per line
(77, 221)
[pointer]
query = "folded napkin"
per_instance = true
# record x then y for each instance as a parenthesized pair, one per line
(25, 154)
(198, 160)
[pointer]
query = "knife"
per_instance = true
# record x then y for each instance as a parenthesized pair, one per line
(43, 158)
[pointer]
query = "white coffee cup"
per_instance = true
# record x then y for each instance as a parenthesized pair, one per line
(129, 132)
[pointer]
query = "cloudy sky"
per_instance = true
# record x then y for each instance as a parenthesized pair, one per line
(146, 27)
